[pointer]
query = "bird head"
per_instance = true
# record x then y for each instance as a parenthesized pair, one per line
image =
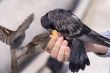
(55, 19)
(46, 23)
(63, 21)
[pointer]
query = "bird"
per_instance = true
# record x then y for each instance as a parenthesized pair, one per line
(37, 46)
(15, 39)
(76, 33)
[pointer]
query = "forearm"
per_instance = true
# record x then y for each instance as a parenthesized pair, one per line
(105, 51)
(96, 48)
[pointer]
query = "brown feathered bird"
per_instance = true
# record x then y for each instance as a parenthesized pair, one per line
(15, 39)
(37, 45)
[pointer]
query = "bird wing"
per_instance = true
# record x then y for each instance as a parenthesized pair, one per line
(4, 34)
(96, 38)
(25, 25)
(7, 35)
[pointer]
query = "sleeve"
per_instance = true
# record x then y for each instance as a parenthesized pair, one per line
(107, 35)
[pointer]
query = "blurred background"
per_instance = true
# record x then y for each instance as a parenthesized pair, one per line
(94, 13)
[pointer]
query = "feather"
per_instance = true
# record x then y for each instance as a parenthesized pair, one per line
(8, 36)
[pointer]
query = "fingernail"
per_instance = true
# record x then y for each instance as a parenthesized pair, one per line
(60, 38)
(54, 37)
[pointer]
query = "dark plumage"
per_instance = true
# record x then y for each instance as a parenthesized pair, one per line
(15, 39)
(76, 32)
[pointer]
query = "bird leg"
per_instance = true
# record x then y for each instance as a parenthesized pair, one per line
(14, 63)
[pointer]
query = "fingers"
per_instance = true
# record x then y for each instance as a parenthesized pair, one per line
(56, 47)
(51, 44)
(67, 54)
(61, 52)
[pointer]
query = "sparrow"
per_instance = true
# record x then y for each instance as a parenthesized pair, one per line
(15, 39)
(38, 45)
(76, 33)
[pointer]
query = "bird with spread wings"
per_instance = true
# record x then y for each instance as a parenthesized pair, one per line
(15, 39)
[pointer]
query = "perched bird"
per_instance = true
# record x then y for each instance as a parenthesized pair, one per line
(15, 39)
(76, 33)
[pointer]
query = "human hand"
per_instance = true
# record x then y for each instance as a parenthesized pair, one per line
(58, 48)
